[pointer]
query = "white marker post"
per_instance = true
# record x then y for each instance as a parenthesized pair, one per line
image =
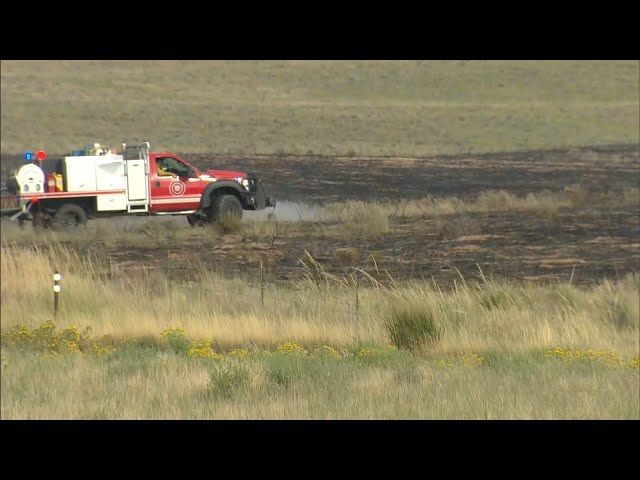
(56, 289)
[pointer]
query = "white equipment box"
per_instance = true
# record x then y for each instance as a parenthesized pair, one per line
(110, 173)
(95, 173)
(111, 202)
(81, 174)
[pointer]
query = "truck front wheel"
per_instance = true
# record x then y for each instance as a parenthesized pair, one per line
(223, 205)
(69, 216)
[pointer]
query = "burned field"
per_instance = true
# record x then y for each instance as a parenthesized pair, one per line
(584, 228)
(583, 246)
(313, 179)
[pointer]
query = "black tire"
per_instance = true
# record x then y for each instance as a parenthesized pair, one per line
(69, 215)
(225, 204)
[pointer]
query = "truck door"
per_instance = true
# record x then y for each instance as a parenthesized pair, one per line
(174, 187)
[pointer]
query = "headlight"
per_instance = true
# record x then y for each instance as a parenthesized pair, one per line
(245, 182)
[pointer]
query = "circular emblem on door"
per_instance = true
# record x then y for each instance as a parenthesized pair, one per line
(177, 188)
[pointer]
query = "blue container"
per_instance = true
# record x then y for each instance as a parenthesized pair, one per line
(78, 153)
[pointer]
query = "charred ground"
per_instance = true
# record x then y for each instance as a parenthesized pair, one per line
(595, 239)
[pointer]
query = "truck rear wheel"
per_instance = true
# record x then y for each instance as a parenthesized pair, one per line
(223, 205)
(69, 215)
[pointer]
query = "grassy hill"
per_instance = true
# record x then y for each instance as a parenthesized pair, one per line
(404, 108)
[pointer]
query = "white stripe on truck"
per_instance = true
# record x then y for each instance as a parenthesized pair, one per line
(166, 201)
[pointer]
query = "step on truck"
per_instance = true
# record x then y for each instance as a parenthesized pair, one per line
(97, 183)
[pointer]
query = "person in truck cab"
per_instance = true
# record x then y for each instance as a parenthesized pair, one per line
(161, 168)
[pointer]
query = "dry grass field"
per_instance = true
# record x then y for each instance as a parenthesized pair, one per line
(453, 240)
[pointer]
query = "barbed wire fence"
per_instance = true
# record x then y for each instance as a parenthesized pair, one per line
(259, 275)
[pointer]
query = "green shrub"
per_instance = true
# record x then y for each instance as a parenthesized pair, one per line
(45, 339)
(284, 370)
(228, 379)
(412, 328)
(175, 339)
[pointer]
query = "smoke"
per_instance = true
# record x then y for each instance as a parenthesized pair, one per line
(291, 212)
(284, 211)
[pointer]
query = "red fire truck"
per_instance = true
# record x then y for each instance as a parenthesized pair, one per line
(100, 183)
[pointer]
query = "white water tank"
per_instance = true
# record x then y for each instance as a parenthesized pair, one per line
(30, 179)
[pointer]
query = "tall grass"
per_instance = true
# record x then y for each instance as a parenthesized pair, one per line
(370, 216)
(318, 310)
(478, 351)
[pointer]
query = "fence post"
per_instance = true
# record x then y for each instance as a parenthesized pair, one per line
(357, 297)
(56, 289)
(261, 283)
(169, 270)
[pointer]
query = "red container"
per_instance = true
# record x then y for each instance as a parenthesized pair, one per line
(54, 182)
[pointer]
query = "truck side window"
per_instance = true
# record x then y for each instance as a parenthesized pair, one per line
(162, 170)
(174, 166)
